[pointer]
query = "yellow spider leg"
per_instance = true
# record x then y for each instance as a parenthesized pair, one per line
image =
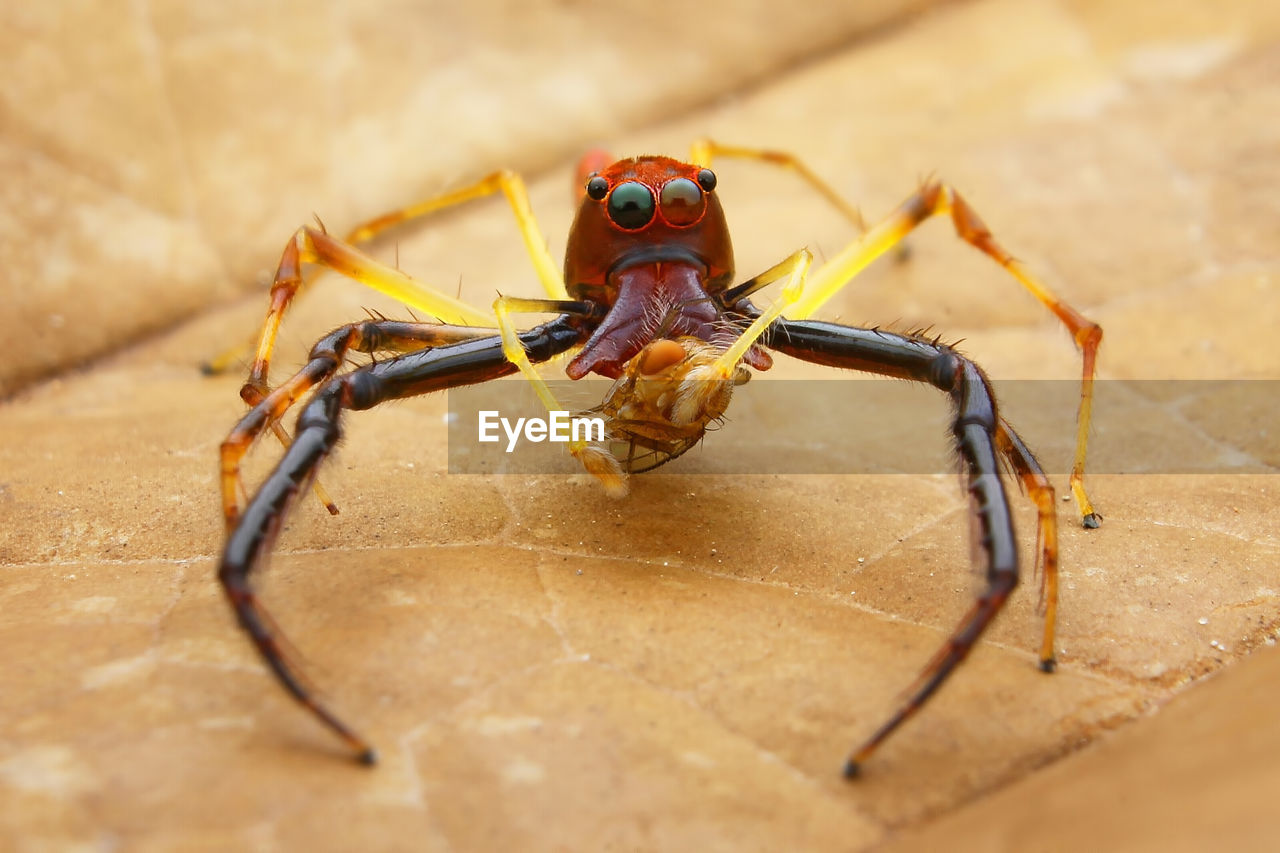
(513, 187)
(399, 286)
(703, 151)
(599, 463)
(1040, 490)
(797, 267)
(503, 308)
(936, 198)
(312, 245)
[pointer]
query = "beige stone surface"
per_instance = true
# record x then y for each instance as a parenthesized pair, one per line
(545, 668)
(1213, 754)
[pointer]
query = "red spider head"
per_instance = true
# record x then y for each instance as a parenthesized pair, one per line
(642, 209)
(651, 244)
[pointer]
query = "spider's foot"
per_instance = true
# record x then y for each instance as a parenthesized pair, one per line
(369, 757)
(1091, 521)
(1049, 665)
(852, 769)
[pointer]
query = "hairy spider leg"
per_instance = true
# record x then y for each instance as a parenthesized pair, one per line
(932, 199)
(370, 336)
(429, 336)
(980, 437)
(318, 431)
(312, 245)
(935, 198)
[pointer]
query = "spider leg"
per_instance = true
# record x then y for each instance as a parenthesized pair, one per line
(511, 185)
(795, 267)
(318, 431)
(703, 151)
(1041, 493)
(303, 248)
(324, 361)
(599, 462)
(421, 336)
(979, 436)
(936, 198)
(313, 245)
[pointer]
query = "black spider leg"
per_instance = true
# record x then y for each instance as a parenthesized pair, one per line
(317, 433)
(979, 435)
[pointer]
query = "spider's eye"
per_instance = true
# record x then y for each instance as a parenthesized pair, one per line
(682, 202)
(597, 187)
(631, 205)
(707, 179)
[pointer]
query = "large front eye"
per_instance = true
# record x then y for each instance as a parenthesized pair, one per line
(631, 205)
(682, 202)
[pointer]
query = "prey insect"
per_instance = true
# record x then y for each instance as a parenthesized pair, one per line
(647, 299)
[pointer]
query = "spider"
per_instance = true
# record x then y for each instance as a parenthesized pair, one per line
(647, 299)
